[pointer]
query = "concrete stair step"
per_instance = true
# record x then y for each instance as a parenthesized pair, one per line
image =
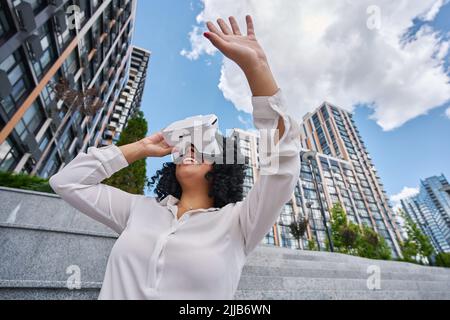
(355, 265)
(57, 290)
(38, 254)
(270, 252)
(47, 290)
(302, 283)
(336, 273)
(339, 295)
(48, 211)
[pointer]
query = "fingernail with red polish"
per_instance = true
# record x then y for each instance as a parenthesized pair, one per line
(206, 34)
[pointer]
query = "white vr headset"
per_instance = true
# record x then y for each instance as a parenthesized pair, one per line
(200, 131)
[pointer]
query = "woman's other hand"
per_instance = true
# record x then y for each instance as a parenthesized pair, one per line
(156, 146)
(153, 146)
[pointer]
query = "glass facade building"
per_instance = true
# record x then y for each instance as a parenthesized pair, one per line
(86, 42)
(430, 210)
(336, 168)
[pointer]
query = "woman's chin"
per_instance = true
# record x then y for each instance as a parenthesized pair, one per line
(192, 171)
(187, 168)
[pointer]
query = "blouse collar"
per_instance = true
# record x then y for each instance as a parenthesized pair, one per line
(171, 203)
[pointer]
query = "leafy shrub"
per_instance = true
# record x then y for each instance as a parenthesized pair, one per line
(350, 238)
(443, 260)
(24, 182)
(371, 245)
(417, 247)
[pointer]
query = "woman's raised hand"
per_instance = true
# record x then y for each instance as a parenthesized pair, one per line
(246, 52)
(242, 49)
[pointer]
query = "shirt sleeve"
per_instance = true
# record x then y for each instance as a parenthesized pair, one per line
(278, 174)
(79, 184)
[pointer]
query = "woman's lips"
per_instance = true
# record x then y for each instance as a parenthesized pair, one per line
(189, 161)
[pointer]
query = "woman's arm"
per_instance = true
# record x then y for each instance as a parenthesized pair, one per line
(153, 146)
(278, 174)
(279, 153)
(79, 183)
(248, 54)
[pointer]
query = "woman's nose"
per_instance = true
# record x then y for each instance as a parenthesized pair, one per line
(191, 152)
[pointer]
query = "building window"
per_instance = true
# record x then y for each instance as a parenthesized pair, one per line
(37, 5)
(52, 166)
(45, 141)
(48, 55)
(18, 77)
(9, 156)
(48, 93)
(66, 140)
(70, 65)
(5, 23)
(270, 238)
(287, 240)
(31, 121)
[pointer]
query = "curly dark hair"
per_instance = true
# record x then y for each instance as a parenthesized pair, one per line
(227, 180)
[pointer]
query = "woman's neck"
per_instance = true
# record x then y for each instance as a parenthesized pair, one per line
(194, 200)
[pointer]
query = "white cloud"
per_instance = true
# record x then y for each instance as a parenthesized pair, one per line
(323, 50)
(247, 123)
(242, 120)
(434, 10)
(199, 45)
(447, 113)
(404, 194)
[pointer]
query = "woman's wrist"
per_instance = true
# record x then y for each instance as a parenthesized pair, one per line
(260, 78)
(134, 151)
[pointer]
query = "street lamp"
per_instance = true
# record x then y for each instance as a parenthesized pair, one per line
(308, 205)
(308, 157)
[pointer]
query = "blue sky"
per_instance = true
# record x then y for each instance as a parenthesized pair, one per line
(178, 87)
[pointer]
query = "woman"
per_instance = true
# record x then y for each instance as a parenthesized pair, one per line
(193, 240)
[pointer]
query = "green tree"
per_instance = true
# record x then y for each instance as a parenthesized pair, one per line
(133, 178)
(344, 234)
(350, 238)
(443, 260)
(312, 245)
(417, 246)
(24, 182)
(373, 246)
(299, 228)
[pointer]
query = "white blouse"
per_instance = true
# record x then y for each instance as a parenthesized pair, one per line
(201, 255)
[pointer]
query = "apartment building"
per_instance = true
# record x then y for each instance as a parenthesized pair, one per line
(430, 210)
(86, 44)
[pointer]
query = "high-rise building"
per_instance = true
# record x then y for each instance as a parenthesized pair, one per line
(130, 98)
(433, 193)
(86, 44)
(430, 210)
(336, 168)
(348, 175)
(447, 189)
